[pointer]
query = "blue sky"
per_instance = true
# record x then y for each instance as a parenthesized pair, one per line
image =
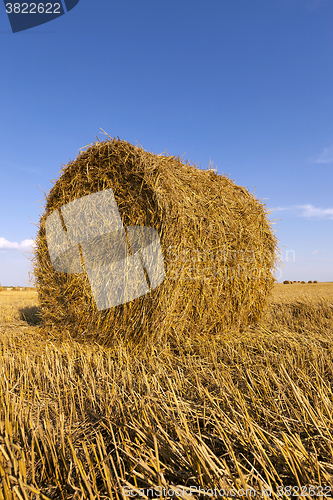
(245, 84)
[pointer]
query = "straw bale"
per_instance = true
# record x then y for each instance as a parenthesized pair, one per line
(315, 281)
(219, 250)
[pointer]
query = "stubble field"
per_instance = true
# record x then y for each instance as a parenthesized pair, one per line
(248, 414)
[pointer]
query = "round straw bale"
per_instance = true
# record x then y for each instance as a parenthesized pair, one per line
(303, 282)
(315, 281)
(219, 250)
(309, 281)
(1, 288)
(16, 289)
(286, 282)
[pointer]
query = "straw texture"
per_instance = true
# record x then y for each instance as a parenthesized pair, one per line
(218, 247)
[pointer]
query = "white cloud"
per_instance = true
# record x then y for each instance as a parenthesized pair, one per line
(326, 156)
(317, 251)
(311, 211)
(280, 208)
(308, 211)
(25, 245)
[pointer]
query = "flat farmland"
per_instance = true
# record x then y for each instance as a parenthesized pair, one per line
(246, 410)
(294, 290)
(15, 305)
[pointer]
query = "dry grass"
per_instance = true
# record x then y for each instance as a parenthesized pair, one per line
(18, 306)
(323, 289)
(217, 243)
(248, 410)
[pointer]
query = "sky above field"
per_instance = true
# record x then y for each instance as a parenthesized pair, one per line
(244, 84)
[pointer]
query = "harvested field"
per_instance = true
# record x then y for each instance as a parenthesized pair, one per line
(84, 421)
(16, 307)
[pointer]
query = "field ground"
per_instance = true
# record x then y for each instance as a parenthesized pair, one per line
(298, 289)
(247, 410)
